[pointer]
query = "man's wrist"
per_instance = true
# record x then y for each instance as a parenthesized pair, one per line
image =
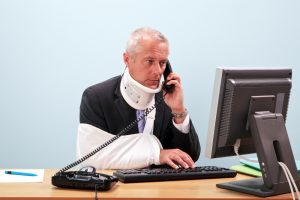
(179, 115)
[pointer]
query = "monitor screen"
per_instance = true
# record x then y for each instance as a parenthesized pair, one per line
(232, 93)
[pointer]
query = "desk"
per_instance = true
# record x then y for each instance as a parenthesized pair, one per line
(191, 190)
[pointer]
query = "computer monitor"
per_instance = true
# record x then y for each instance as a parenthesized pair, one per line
(251, 105)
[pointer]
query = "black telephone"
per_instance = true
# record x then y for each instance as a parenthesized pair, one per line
(168, 70)
(87, 178)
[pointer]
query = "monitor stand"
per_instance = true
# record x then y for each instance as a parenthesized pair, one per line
(272, 145)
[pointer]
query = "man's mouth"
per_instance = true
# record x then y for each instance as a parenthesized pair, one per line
(153, 83)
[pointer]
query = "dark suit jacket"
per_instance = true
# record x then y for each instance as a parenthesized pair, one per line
(103, 106)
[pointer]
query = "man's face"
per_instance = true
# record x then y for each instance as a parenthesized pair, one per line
(148, 64)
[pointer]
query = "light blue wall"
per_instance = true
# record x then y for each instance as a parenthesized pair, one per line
(50, 51)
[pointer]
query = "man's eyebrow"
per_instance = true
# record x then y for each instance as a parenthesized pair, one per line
(153, 58)
(149, 57)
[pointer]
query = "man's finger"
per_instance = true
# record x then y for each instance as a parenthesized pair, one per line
(189, 161)
(172, 164)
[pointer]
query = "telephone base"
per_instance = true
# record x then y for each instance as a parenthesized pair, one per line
(84, 180)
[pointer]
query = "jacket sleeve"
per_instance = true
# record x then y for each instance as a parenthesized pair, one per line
(187, 142)
(90, 110)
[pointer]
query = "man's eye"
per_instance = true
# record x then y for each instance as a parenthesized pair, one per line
(149, 61)
(162, 64)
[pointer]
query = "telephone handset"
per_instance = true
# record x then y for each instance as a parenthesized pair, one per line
(83, 179)
(168, 70)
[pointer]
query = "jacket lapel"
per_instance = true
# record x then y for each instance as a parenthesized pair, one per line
(127, 113)
(158, 123)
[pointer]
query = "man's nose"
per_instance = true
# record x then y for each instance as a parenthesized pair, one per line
(158, 68)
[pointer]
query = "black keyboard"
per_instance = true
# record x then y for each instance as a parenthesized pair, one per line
(170, 174)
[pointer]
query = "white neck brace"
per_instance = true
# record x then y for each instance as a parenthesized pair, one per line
(135, 94)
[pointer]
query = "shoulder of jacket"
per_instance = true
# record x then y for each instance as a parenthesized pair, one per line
(106, 86)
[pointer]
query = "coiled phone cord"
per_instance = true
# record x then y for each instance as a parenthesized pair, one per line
(125, 130)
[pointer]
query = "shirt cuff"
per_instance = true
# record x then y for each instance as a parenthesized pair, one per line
(184, 127)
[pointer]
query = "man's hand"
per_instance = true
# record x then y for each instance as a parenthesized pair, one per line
(175, 99)
(175, 157)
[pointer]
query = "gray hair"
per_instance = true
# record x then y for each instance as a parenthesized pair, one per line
(135, 37)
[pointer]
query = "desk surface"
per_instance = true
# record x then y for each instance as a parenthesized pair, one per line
(191, 189)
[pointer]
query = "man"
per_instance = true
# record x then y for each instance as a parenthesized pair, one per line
(166, 136)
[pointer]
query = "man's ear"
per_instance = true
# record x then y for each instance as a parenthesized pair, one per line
(126, 58)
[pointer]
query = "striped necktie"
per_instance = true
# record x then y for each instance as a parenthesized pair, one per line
(142, 122)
